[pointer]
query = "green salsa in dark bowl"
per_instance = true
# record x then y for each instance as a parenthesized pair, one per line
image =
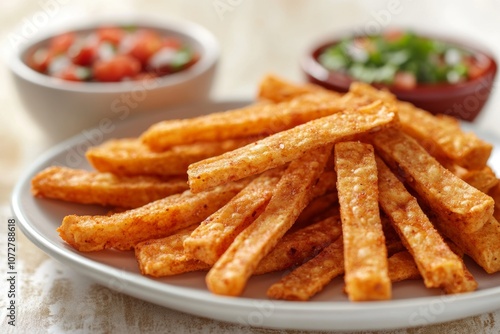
(435, 74)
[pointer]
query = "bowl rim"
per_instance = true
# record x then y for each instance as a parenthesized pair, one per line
(311, 66)
(209, 53)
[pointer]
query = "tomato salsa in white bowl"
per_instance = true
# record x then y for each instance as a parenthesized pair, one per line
(436, 74)
(106, 69)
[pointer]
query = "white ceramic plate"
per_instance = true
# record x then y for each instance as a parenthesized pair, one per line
(412, 305)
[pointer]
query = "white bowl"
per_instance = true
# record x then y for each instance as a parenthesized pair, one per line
(64, 108)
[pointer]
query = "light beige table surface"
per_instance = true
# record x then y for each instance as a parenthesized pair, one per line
(256, 37)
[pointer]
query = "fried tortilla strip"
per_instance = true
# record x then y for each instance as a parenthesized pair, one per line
(457, 203)
(482, 245)
(273, 88)
(402, 267)
(440, 136)
(285, 146)
(248, 121)
(130, 156)
(437, 264)
(393, 242)
(316, 209)
(214, 235)
(231, 272)
(365, 253)
(86, 187)
(303, 244)
(465, 282)
(154, 220)
(166, 256)
(482, 179)
(311, 277)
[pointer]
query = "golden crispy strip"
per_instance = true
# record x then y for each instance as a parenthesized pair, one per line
(457, 203)
(438, 265)
(311, 277)
(231, 272)
(482, 245)
(274, 88)
(443, 138)
(129, 156)
(214, 235)
(393, 242)
(248, 121)
(154, 220)
(440, 135)
(465, 282)
(316, 209)
(166, 256)
(86, 187)
(285, 146)
(482, 179)
(402, 267)
(365, 254)
(303, 244)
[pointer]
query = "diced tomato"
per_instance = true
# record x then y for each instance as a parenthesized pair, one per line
(146, 44)
(62, 43)
(116, 69)
(83, 54)
(405, 80)
(110, 34)
(107, 54)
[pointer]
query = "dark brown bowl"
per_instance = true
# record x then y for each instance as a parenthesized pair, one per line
(462, 100)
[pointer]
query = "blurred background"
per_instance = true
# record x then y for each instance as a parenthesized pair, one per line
(256, 37)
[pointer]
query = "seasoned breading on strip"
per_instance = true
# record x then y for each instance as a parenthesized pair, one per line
(439, 135)
(482, 245)
(214, 235)
(365, 253)
(307, 280)
(438, 265)
(273, 88)
(154, 220)
(402, 267)
(301, 245)
(130, 156)
(311, 277)
(231, 272)
(285, 146)
(482, 179)
(166, 256)
(252, 120)
(317, 209)
(86, 187)
(457, 203)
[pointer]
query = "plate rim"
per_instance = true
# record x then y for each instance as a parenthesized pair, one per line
(279, 318)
